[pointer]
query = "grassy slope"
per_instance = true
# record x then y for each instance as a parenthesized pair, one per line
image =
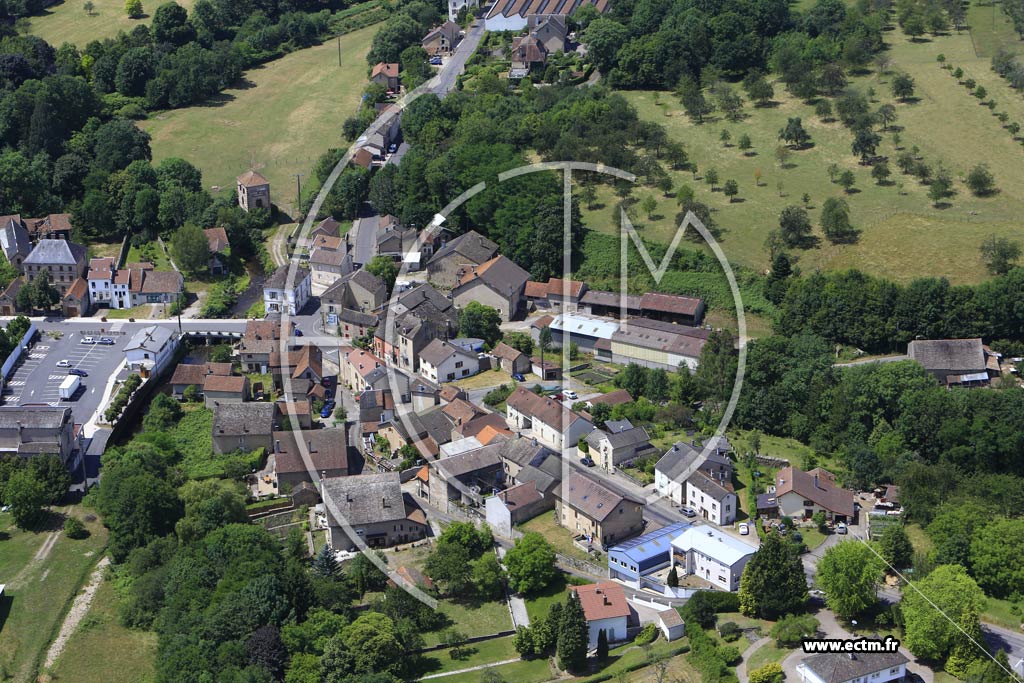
(67, 21)
(289, 112)
(903, 235)
(86, 657)
(39, 591)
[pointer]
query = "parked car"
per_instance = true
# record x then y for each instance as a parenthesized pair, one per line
(571, 395)
(744, 529)
(106, 341)
(64, 363)
(79, 373)
(435, 61)
(688, 511)
(392, 148)
(328, 408)
(88, 340)
(298, 332)
(841, 529)
(518, 377)
(558, 397)
(587, 461)
(326, 381)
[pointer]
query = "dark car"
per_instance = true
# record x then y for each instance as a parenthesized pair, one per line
(106, 341)
(392, 148)
(518, 377)
(298, 332)
(587, 461)
(326, 381)
(328, 408)
(76, 371)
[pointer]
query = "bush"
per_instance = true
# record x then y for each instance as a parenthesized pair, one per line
(730, 654)
(74, 529)
(498, 395)
(769, 673)
(729, 631)
(793, 628)
(647, 634)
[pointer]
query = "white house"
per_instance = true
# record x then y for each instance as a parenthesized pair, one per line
(712, 555)
(549, 421)
(150, 350)
(671, 624)
(278, 297)
(678, 465)
(860, 667)
(622, 442)
(454, 6)
(712, 498)
(442, 361)
(605, 608)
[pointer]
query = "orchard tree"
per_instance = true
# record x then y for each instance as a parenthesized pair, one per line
(847, 180)
(880, 172)
(794, 226)
(795, 134)
(980, 181)
(711, 178)
(744, 143)
(1000, 254)
(835, 221)
(823, 109)
(133, 8)
(865, 143)
(849, 573)
(773, 582)
(903, 86)
(731, 189)
(886, 115)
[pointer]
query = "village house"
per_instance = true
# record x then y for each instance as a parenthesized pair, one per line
(427, 431)
(466, 478)
(55, 226)
(562, 295)
(133, 285)
(327, 450)
(654, 344)
(677, 465)
(218, 389)
(329, 259)
(456, 6)
(374, 508)
(218, 244)
(360, 371)
(28, 431)
(281, 297)
(711, 555)
(417, 317)
(359, 292)
(712, 498)
(60, 260)
(194, 375)
(9, 297)
(253, 191)
(301, 363)
(620, 442)
(75, 301)
(605, 608)
(859, 667)
(259, 340)
(441, 40)
(532, 472)
(242, 426)
(150, 350)
(611, 399)
(14, 240)
(513, 361)
(328, 227)
(550, 30)
(527, 54)
(546, 419)
(293, 415)
(955, 362)
(452, 260)
(497, 283)
(800, 494)
(393, 240)
(633, 562)
(386, 74)
(596, 511)
(672, 308)
(442, 361)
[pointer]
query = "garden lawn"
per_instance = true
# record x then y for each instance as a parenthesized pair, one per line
(537, 606)
(194, 440)
(473, 654)
(903, 235)
(472, 619)
(559, 537)
(43, 573)
(769, 652)
(1000, 613)
(87, 655)
(287, 114)
(150, 252)
(67, 21)
(532, 671)
(483, 380)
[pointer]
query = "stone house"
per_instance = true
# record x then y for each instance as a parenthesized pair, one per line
(253, 191)
(498, 283)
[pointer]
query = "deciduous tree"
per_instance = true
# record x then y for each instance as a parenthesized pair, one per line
(849, 573)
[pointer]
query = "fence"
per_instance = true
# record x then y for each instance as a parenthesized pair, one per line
(17, 351)
(581, 565)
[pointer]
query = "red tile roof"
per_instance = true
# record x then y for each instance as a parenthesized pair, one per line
(605, 600)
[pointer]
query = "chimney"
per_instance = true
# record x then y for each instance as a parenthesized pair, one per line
(816, 481)
(277, 445)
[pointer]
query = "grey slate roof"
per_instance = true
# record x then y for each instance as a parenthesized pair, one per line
(470, 462)
(366, 498)
(279, 278)
(14, 238)
(632, 436)
(238, 419)
(33, 417)
(677, 460)
(948, 354)
(708, 486)
(61, 252)
(837, 668)
(472, 246)
(150, 338)
(595, 499)
(438, 351)
(524, 451)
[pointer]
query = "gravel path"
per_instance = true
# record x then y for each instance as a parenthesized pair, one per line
(472, 668)
(741, 671)
(78, 610)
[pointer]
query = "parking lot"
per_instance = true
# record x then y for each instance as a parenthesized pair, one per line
(37, 378)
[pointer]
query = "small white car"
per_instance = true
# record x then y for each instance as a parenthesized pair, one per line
(744, 529)
(88, 340)
(64, 363)
(841, 529)
(571, 395)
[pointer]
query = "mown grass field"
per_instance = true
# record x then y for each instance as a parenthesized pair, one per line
(67, 21)
(287, 114)
(87, 655)
(43, 572)
(903, 235)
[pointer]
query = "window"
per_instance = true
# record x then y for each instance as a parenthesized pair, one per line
(458, 363)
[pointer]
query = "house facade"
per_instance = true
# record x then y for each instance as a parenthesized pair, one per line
(860, 667)
(595, 511)
(369, 510)
(800, 494)
(150, 350)
(443, 361)
(548, 421)
(498, 283)
(712, 555)
(253, 191)
(61, 261)
(618, 443)
(457, 255)
(280, 297)
(243, 426)
(605, 609)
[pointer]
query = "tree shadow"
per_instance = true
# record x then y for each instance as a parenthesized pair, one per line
(852, 191)
(770, 104)
(750, 153)
(787, 166)
(913, 99)
(656, 217)
(942, 205)
(736, 200)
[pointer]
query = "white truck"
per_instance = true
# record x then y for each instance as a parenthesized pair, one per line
(69, 386)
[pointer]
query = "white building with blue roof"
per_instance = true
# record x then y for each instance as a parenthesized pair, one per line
(712, 555)
(644, 555)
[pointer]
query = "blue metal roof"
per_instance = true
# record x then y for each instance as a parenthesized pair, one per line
(651, 544)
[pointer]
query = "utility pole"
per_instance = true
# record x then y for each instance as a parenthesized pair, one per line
(298, 196)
